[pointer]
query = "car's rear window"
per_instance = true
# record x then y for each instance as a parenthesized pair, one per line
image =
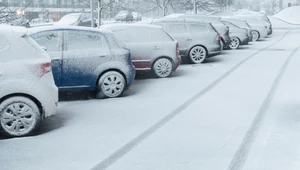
(4, 43)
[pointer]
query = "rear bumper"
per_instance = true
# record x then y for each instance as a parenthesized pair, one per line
(245, 41)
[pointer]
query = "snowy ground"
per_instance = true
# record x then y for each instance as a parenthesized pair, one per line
(240, 109)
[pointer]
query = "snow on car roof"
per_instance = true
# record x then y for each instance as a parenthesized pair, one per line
(56, 27)
(186, 20)
(109, 26)
(7, 29)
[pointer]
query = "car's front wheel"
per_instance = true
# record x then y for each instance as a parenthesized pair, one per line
(162, 68)
(111, 84)
(198, 54)
(235, 43)
(255, 35)
(19, 116)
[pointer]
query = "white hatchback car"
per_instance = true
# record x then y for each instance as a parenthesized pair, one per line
(28, 93)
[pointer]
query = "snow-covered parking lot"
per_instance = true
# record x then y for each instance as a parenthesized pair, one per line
(239, 110)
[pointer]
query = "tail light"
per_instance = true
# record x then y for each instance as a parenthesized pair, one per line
(219, 37)
(45, 68)
(177, 49)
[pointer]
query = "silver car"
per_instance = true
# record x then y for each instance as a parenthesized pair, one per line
(152, 49)
(240, 23)
(239, 36)
(215, 21)
(197, 40)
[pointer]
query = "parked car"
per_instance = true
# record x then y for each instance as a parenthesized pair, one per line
(20, 22)
(124, 16)
(197, 40)
(76, 19)
(239, 36)
(86, 59)
(136, 16)
(259, 27)
(263, 17)
(151, 47)
(240, 23)
(28, 93)
(222, 29)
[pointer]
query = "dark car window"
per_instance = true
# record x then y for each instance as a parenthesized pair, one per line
(177, 28)
(79, 40)
(48, 39)
(196, 28)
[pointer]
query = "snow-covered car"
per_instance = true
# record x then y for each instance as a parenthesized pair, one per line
(259, 27)
(28, 93)
(240, 23)
(136, 16)
(151, 47)
(20, 22)
(76, 19)
(86, 59)
(263, 17)
(239, 36)
(124, 16)
(197, 40)
(222, 29)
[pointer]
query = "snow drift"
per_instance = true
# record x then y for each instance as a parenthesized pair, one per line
(290, 15)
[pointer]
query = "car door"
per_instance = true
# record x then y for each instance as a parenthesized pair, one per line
(201, 34)
(84, 53)
(180, 33)
(52, 42)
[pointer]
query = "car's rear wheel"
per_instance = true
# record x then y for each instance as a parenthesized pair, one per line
(162, 68)
(111, 84)
(235, 43)
(198, 54)
(255, 35)
(19, 116)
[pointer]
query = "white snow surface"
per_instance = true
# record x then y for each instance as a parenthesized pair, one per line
(290, 15)
(205, 135)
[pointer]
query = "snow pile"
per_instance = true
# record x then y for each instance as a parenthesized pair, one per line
(280, 24)
(290, 15)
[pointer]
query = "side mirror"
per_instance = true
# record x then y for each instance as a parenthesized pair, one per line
(44, 48)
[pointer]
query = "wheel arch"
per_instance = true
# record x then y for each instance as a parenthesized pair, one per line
(163, 56)
(201, 46)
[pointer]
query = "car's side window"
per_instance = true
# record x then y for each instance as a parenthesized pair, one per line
(197, 28)
(80, 40)
(176, 28)
(48, 39)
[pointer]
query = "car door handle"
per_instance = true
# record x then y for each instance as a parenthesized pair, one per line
(188, 39)
(155, 48)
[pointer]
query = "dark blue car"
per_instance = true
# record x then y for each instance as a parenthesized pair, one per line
(86, 58)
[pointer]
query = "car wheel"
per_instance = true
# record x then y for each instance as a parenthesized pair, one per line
(111, 84)
(235, 43)
(162, 68)
(255, 35)
(198, 54)
(19, 116)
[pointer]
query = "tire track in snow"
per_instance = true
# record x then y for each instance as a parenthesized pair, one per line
(239, 159)
(144, 135)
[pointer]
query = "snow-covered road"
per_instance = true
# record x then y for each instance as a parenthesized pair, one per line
(237, 111)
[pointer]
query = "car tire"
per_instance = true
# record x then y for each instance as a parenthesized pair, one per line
(234, 43)
(19, 116)
(162, 68)
(255, 35)
(198, 54)
(111, 84)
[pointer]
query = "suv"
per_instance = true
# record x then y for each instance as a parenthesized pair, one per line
(197, 40)
(151, 47)
(86, 59)
(28, 93)
(124, 16)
